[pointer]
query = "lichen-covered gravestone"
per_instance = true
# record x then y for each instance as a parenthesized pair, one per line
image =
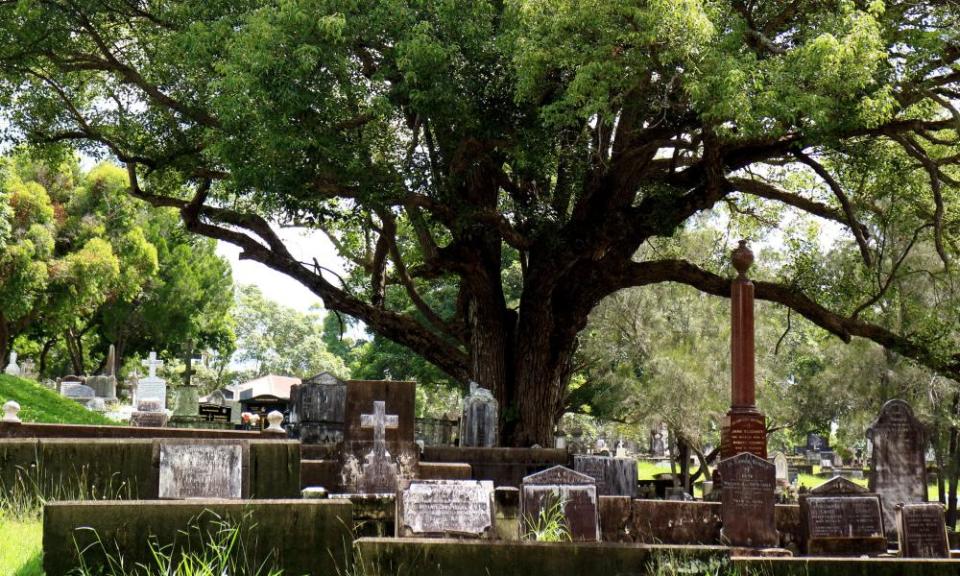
(614, 476)
(577, 491)
(922, 531)
(445, 508)
(840, 518)
(201, 470)
(897, 470)
(747, 501)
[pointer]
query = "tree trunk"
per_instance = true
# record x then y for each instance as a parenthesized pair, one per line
(5, 341)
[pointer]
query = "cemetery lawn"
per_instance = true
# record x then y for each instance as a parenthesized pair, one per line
(21, 551)
(38, 404)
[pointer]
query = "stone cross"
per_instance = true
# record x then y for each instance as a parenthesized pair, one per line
(380, 421)
(152, 364)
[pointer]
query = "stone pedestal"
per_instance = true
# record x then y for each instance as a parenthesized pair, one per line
(744, 432)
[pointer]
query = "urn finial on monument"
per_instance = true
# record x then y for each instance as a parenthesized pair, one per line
(742, 258)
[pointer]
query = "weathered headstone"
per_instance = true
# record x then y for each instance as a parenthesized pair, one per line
(444, 508)
(103, 386)
(841, 518)
(782, 468)
(78, 392)
(922, 531)
(149, 414)
(897, 470)
(577, 491)
(201, 471)
(747, 501)
(379, 470)
(478, 424)
(614, 476)
(317, 409)
(12, 369)
(186, 403)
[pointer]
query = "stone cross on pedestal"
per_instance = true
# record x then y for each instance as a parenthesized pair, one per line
(380, 421)
(152, 364)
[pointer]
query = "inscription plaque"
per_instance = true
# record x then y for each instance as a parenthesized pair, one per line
(923, 531)
(744, 433)
(201, 471)
(438, 508)
(747, 501)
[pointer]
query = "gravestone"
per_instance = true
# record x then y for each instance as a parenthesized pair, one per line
(201, 471)
(78, 392)
(379, 472)
(897, 470)
(781, 468)
(747, 501)
(12, 369)
(478, 424)
(149, 414)
(577, 491)
(816, 442)
(317, 409)
(746, 432)
(372, 461)
(152, 386)
(445, 508)
(186, 403)
(614, 476)
(103, 386)
(922, 531)
(841, 518)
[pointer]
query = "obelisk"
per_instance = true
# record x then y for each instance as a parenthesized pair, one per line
(745, 426)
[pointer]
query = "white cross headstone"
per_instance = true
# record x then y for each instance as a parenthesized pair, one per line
(152, 364)
(380, 421)
(12, 368)
(379, 470)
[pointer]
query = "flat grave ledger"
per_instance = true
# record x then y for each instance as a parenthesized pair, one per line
(614, 476)
(897, 471)
(192, 470)
(922, 531)
(747, 501)
(445, 508)
(577, 491)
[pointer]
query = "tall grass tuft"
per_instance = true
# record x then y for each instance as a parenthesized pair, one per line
(217, 547)
(550, 525)
(24, 497)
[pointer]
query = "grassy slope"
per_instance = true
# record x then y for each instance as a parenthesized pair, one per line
(38, 404)
(21, 551)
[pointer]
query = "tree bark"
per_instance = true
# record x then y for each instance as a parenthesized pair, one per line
(953, 468)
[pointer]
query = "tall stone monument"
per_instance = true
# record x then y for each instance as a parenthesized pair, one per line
(478, 424)
(897, 470)
(105, 385)
(744, 429)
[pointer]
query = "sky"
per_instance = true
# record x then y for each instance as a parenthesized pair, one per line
(304, 245)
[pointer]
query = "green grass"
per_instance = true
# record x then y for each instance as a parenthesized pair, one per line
(38, 404)
(22, 549)
(646, 469)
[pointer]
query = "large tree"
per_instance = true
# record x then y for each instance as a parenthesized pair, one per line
(438, 142)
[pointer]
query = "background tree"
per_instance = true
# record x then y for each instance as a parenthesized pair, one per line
(276, 339)
(433, 139)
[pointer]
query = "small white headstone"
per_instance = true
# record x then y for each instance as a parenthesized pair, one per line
(153, 388)
(10, 410)
(12, 369)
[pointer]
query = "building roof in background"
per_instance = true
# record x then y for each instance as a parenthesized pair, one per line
(269, 385)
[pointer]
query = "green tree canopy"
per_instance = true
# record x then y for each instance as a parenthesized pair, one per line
(432, 140)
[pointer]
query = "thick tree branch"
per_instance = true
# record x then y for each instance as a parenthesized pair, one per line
(683, 272)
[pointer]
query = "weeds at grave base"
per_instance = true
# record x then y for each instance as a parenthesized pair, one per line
(219, 547)
(550, 525)
(32, 488)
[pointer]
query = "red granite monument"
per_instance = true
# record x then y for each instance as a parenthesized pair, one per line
(745, 427)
